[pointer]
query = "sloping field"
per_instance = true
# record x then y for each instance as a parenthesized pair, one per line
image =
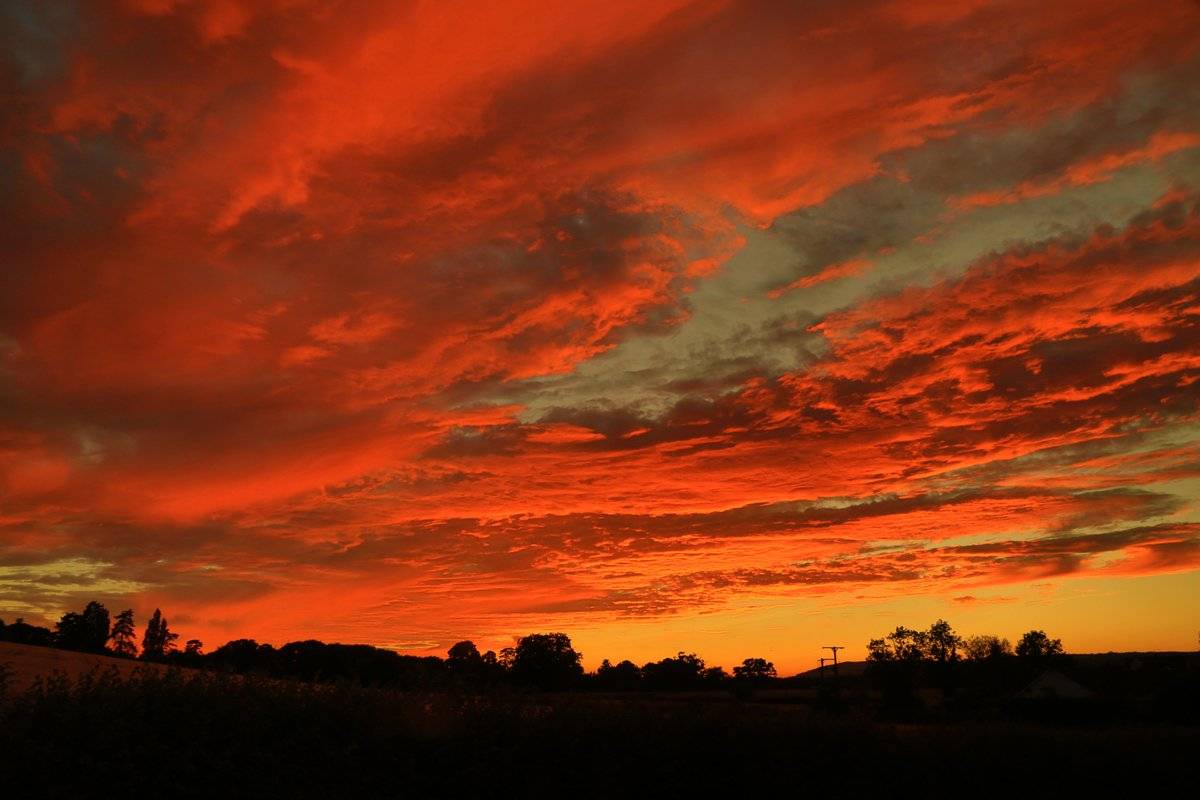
(26, 663)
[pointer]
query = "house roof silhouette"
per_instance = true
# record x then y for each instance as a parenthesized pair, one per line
(1053, 685)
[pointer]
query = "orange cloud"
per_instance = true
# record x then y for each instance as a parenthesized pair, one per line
(1088, 171)
(283, 281)
(843, 269)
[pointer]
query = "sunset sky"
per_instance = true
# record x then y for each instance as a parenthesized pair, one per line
(735, 327)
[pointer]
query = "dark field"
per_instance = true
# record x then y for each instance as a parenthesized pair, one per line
(190, 734)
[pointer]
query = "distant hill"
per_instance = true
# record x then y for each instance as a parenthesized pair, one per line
(1151, 655)
(26, 663)
(846, 669)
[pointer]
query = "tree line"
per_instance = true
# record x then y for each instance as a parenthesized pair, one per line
(941, 644)
(543, 660)
(94, 631)
(903, 661)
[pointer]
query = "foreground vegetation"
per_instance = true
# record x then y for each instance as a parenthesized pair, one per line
(185, 733)
(931, 712)
(911, 675)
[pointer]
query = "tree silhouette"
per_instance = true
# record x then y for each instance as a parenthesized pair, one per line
(942, 642)
(168, 637)
(158, 639)
(507, 656)
(244, 656)
(466, 664)
(69, 631)
(684, 671)
(193, 647)
(21, 632)
(152, 638)
(896, 661)
(87, 631)
(546, 660)
(754, 669)
(902, 644)
(624, 676)
(463, 654)
(751, 674)
(123, 634)
(1036, 645)
(96, 625)
(986, 647)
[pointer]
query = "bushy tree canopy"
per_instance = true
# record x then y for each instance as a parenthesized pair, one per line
(755, 669)
(546, 660)
(940, 644)
(986, 647)
(1037, 645)
(87, 631)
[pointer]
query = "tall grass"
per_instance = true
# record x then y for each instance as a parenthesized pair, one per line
(193, 734)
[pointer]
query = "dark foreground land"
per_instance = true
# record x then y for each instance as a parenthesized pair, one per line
(183, 733)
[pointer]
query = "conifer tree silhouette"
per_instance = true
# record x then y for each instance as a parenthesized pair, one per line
(123, 634)
(158, 639)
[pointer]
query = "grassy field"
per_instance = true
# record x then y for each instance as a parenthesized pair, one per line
(25, 663)
(194, 734)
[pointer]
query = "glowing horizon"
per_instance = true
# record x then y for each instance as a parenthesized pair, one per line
(742, 328)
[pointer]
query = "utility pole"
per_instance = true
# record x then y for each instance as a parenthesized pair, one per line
(834, 648)
(828, 691)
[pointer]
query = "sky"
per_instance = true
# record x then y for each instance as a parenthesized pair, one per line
(741, 328)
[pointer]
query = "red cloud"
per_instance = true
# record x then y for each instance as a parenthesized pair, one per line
(1087, 171)
(280, 278)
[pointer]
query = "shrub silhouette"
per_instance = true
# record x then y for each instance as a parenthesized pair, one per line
(21, 632)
